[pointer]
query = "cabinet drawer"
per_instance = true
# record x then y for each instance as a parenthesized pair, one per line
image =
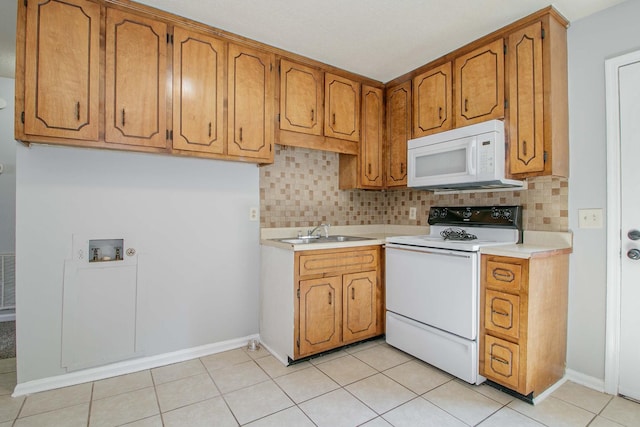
(336, 262)
(501, 361)
(502, 314)
(503, 275)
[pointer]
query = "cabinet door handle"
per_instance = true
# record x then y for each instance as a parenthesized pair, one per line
(500, 360)
(466, 105)
(123, 117)
(503, 275)
(329, 298)
(501, 313)
(240, 134)
(209, 129)
(334, 119)
(440, 113)
(78, 111)
(524, 147)
(313, 115)
(401, 168)
(369, 168)
(353, 293)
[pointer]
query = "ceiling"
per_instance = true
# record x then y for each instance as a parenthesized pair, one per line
(380, 39)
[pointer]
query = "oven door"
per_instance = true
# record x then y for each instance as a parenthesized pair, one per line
(435, 287)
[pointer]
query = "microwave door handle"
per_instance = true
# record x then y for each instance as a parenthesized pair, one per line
(471, 157)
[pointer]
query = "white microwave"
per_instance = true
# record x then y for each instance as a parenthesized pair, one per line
(471, 157)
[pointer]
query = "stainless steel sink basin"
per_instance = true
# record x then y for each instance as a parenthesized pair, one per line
(316, 239)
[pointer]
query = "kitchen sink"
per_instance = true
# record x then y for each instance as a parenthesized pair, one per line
(317, 239)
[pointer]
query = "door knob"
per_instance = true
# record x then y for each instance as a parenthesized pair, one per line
(634, 234)
(634, 254)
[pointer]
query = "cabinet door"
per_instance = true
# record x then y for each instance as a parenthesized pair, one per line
(502, 361)
(479, 77)
(62, 69)
(502, 313)
(432, 101)
(525, 95)
(359, 306)
(371, 144)
(342, 114)
(136, 79)
(320, 314)
(198, 92)
(398, 133)
(250, 103)
(301, 92)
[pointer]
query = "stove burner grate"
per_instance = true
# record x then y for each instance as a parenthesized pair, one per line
(457, 234)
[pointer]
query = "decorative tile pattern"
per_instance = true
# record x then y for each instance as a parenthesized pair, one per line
(300, 189)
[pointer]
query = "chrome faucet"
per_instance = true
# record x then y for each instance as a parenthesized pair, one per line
(326, 230)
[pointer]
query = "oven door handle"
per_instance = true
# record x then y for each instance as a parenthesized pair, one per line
(428, 251)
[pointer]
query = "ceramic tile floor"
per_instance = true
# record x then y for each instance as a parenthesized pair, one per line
(371, 384)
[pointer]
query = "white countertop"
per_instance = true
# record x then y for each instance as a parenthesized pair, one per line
(375, 233)
(535, 244)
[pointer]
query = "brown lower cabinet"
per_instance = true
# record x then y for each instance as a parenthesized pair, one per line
(317, 300)
(523, 321)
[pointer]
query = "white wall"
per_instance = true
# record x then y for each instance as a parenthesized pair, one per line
(8, 177)
(607, 34)
(198, 251)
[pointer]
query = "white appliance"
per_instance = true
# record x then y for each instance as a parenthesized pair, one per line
(471, 157)
(433, 285)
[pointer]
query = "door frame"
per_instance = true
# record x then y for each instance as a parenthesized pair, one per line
(614, 237)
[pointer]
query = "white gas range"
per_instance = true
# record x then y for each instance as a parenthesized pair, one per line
(433, 285)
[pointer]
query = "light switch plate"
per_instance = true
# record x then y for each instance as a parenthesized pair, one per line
(412, 213)
(590, 218)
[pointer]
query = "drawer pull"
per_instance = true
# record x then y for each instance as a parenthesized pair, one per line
(499, 360)
(501, 313)
(503, 275)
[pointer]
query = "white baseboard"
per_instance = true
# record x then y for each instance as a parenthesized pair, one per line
(128, 366)
(585, 380)
(539, 398)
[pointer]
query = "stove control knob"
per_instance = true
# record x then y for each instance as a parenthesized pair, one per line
(634, 254)
(443, 213)
(466, 214)
(495, 214)
(506, 214)
(434, 213)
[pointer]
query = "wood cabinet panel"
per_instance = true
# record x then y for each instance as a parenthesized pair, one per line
(502, 313)
(301, 98)
(329, 262)
(250, 103)
(198, 92)
(479, 77)
(359, 305)
(62, 69)
(432, 109)
(502, 361)
(398, 133)
(342, 111)
(320, 314)
(371, 145)
(136, 78)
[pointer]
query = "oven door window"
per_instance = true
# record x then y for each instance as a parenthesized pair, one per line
(444, 163)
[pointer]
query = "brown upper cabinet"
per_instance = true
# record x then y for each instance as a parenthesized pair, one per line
(61, 69)
(342, 112)
(136, 76)
(537, 112)
(250, 124)
(398, 133)
(479, 82)
(301, 98)
(371, 146)
(432, 110)
(198, 92)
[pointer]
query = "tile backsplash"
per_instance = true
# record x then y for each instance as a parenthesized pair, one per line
(300, 189)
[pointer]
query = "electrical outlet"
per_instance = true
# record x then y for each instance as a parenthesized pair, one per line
(253, 214)
(412, 213)
(590, 218)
